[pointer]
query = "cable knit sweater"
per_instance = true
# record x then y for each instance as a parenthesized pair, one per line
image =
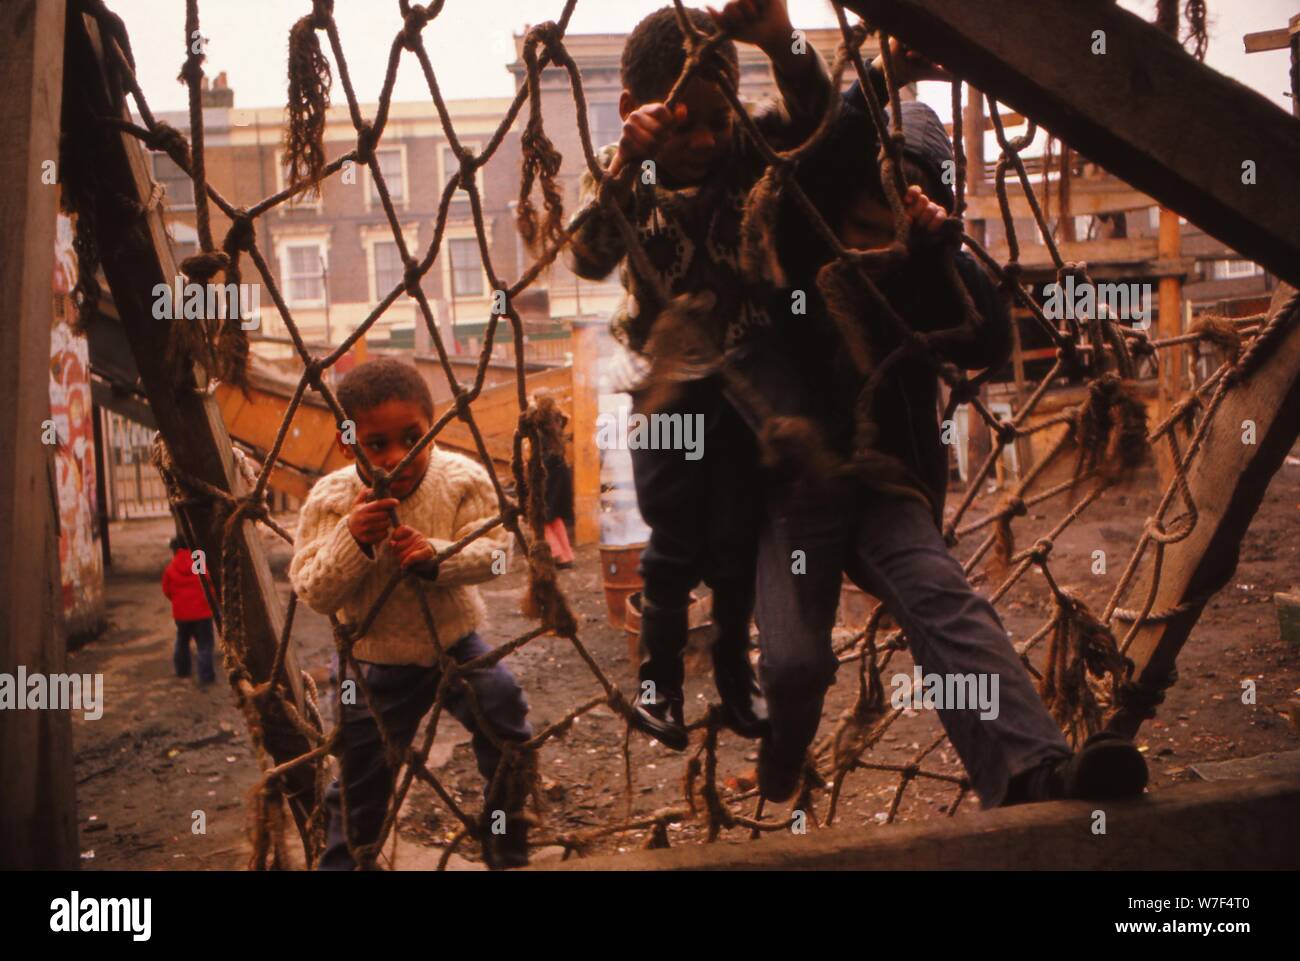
(333, 574)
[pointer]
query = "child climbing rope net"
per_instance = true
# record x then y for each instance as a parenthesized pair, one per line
(1084, 671)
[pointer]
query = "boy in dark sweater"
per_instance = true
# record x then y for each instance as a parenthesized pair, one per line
(887, 535)
(694, 169)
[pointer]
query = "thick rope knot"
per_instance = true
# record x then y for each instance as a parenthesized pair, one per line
(549, 36)
(416, 20)
(461, 402)
(1013, 271)
(1220, 332)
(366, 140)
(1076, 269)
(167, 139)
(1141, 347)
(1014, 506)
(241, 234)
(1141, 698)
(249, 507)
(202, 267)
(411, 277)
(1038, 553)
(321, 11)
(1006, 432)
(312, 372)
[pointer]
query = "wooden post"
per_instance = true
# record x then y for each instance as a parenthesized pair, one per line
(1169, 248)
(136, 257)
(586, 407)
(1134, 109)
(38, 821)
(1227, 481)
(973, 134)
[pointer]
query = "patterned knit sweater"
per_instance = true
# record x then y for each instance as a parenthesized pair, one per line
(332, 573)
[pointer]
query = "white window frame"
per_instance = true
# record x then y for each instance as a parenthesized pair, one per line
(153, 173)
(1229, 269)
(460, 205)
(370, 236)
(315, 204)
(374, 203)
(444, 255)
(283, 244)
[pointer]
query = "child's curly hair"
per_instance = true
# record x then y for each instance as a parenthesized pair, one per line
(655, 54)
(370, 384)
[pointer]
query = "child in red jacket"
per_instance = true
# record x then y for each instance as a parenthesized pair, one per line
(190, 610)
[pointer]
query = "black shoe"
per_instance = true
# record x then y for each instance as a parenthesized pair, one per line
(779, 772)
(657, 706)
(509, 850)
(744, 708)
(1107, 768)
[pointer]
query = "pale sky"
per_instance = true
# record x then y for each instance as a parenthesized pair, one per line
(471, 42)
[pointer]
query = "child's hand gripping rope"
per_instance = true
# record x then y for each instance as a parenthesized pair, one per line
(369, 522)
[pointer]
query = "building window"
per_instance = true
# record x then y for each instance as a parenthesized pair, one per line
(466, 267)
(1225, 269)
(389, 270)
(176, 182)
(393, 168)
(305, 273)
(606, 125)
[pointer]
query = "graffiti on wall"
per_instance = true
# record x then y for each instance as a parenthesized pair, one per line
(80, 561)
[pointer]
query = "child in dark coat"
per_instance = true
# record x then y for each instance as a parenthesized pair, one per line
(886, 536)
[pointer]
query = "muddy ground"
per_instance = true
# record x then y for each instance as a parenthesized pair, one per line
(164, 749)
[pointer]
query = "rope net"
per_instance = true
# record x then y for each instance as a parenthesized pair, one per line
(1084, 670)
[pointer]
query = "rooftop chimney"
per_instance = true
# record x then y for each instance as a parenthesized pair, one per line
(218, 93)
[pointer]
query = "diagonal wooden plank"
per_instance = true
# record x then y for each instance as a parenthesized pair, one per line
(110, 167)
(1251, 434)
(1145, 110)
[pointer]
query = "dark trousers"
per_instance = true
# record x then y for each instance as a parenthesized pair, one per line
(703, 514)
(890, 547)
(403, 694)
(201, 632)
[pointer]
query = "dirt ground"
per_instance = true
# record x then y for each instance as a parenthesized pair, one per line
(165, 750)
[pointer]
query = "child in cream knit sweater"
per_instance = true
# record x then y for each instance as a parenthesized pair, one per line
(349, 546)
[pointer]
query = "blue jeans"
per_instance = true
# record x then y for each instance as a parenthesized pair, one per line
(403, 694)
(891, 548)
(201, 631)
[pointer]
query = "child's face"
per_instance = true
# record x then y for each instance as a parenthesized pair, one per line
(867, 222)
(386, 432)
(699, 143)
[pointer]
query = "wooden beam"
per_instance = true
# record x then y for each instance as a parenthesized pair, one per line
(1130, 250)
(38, 817)
(1247, 824)
(1084, 199)
(1145, 110)
(1278, 39)
(136, 257)
(1227, 481)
